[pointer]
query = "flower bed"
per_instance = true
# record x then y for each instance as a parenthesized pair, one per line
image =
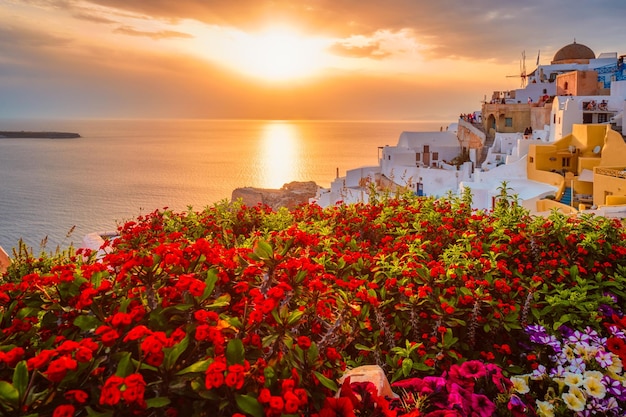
(240, 310)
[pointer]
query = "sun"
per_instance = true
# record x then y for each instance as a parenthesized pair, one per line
(280, 54)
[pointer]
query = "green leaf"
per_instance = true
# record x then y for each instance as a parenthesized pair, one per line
(222, 301)
(328, 383)
(295, 317)
(96, 279)
(20, 378)
(270, 375)
(124, 366)
(210, 281)
(86, 323)
(235, 352)
(249, 405)
(92, 413)
(158, 402)
(263, 250)
(407, 366)
(174, 353)
(363, 347)
(313, 354)
(197, 367)
(9, 393)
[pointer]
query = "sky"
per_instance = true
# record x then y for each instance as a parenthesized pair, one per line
(280, 59)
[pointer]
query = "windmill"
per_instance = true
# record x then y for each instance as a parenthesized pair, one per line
(522, 70)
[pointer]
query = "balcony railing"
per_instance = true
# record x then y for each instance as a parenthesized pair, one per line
(611, 172)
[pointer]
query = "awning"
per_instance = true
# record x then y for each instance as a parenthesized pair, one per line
(586, 175)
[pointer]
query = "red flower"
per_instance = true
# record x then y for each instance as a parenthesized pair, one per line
(304, 342)
(121, 319)
(264, 396)
(276, 404)
(64, 410)
(155, 359)
(616, 345)
(292, 402)
(41, 359)
(83, 355)
(77, 395)
(235, 376)
(111, 393)
(135, 389)
(337, 407)
(215, 374)
(153, 343)
(58, 368)
(108, 335)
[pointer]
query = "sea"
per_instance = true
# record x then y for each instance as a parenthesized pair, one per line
(55, 191)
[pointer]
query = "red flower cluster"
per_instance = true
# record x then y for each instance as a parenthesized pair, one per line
(130, 389)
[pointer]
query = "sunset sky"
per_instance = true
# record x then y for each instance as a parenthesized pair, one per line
(279, 59)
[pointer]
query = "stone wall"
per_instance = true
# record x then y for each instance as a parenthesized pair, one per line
(290, 195)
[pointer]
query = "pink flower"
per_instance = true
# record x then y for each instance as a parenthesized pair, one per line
(472, 369)
(482, 406)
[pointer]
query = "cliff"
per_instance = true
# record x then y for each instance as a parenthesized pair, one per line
(290, 195)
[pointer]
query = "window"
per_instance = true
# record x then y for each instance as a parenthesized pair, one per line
(566, 85)
(531, 159)
(418, 156)
(587, 118)
(565, 162)
(426, 148)
(435, 156)
(603, 117)
(508, 121)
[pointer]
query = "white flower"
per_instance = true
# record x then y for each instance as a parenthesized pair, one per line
(593, 374)
(520, 384)
(545, 409)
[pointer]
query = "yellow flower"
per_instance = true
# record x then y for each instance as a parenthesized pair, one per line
(616, 366)
(573, 379)
(573, 402)
(594, 387)
(520, 384)
(545, 409)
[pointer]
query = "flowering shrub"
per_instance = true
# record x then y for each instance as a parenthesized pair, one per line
(240, 310)
(469, 389)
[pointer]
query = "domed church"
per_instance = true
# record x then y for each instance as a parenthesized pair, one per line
(574, 53)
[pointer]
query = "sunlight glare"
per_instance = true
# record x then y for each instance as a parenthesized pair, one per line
(280, 54)
(280, 153)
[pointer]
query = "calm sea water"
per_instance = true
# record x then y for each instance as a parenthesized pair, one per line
(120, 169)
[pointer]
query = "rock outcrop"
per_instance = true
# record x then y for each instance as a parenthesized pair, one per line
(290, 195)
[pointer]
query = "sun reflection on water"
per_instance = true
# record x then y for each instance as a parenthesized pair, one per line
(280, 150)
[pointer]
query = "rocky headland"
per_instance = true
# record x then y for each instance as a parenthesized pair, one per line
(290, 195)
(37, 135)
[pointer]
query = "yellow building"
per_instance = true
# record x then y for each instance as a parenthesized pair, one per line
(591, 161)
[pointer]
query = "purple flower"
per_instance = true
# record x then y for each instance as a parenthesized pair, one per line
(614, 388)
(517, 406)
(616, 331)
(537, 333)
(604, 358)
